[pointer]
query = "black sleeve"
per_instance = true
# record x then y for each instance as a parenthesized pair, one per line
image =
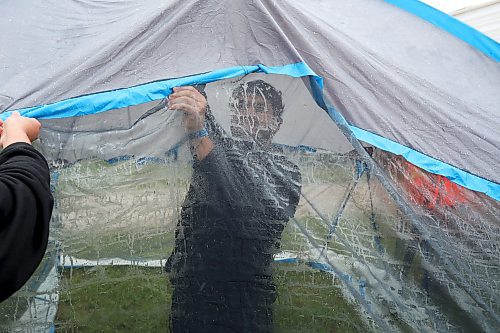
(25, 210)
(220, 178)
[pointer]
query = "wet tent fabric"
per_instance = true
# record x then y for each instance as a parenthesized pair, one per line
(97, 73)
(405, 84)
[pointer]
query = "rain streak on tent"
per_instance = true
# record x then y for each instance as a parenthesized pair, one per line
(390, 112)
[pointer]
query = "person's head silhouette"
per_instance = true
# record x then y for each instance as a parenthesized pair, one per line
(256, 111)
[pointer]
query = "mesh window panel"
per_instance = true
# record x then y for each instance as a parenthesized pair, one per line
(282, 227)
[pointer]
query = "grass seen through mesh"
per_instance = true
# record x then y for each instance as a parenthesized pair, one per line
(136, 299)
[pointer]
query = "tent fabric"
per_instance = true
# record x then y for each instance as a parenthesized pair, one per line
(377, 77)
(414, 252)
(482, 17)
(452, 25)
(123, 98)
(105, 163)
(71, 134)
(429, 164)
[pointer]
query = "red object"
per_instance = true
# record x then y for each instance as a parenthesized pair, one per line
(431, 190)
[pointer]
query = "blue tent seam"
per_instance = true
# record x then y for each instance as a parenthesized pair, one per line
(121, 98)
(430, 164)
(450, 24)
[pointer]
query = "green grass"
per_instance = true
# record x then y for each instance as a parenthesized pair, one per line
(134, 299)
(113, 299)
(12, 309)
(312, 301)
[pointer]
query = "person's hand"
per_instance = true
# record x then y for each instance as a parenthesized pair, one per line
(192, 103)
(18, 129)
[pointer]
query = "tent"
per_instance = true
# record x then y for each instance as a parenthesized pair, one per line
(391, 115)
(481, 15)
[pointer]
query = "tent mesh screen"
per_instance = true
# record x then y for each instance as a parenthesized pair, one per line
(308, 234)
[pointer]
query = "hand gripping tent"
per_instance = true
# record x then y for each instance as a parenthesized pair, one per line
(372, 207)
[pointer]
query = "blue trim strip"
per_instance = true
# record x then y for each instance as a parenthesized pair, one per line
(430, 164)
(461, 30)
(105, 101)
(121, 98)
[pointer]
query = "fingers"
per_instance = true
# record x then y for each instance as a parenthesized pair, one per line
(17, 125)
(186, 108)
(34, 131)
(192, 103)
(183, 100)
(185, 88)
(15, 114)
(187, 92)
(187, 99)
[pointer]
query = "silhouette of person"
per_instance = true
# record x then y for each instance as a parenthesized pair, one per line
(242, 194)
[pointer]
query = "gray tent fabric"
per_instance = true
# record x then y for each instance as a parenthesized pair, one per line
(407, 251)
(68, 139)
(416, 84)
